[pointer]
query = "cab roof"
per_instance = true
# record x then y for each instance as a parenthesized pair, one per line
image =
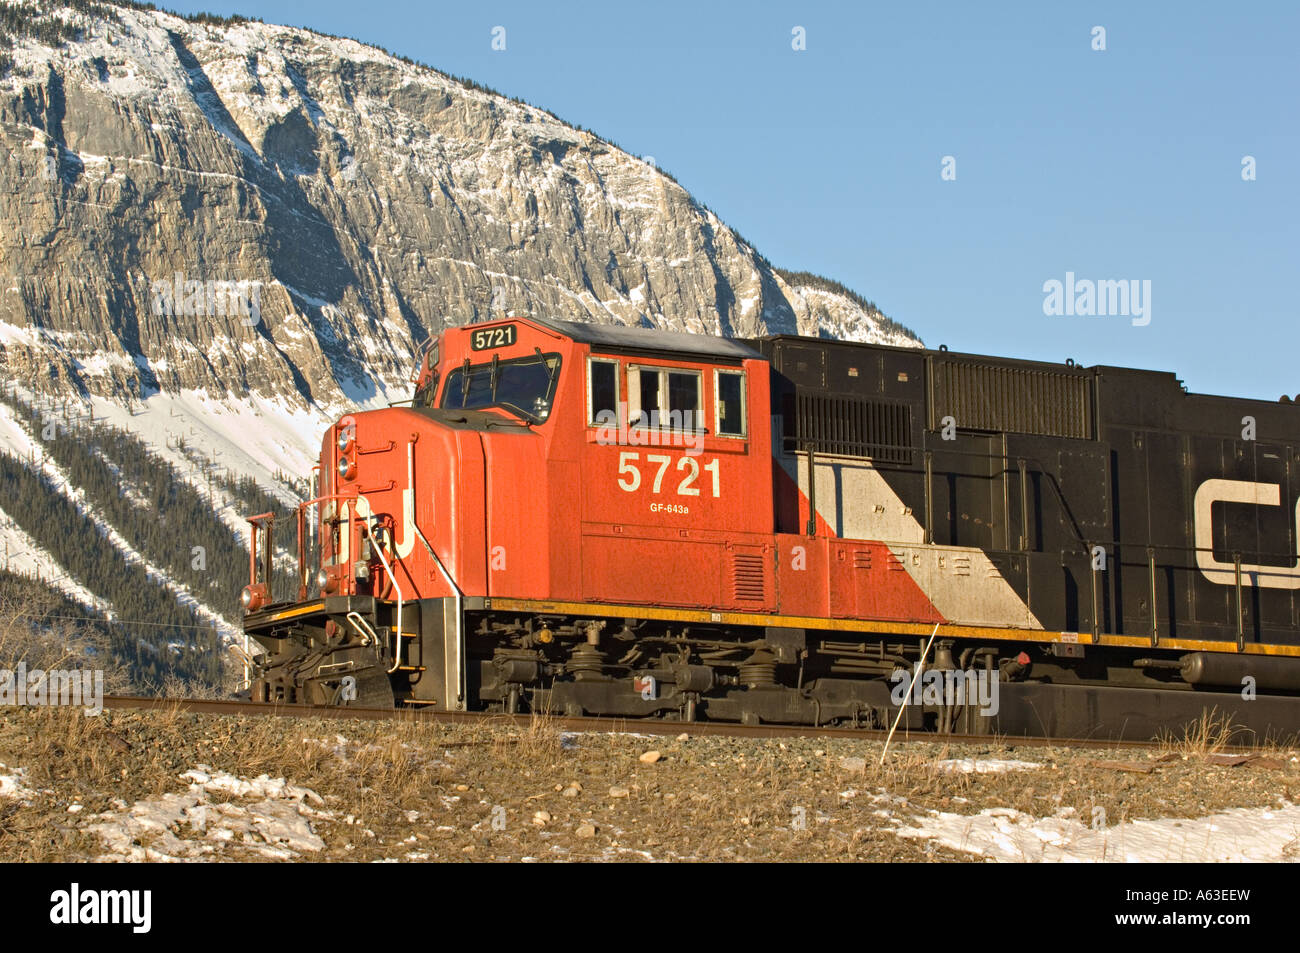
(620, 338)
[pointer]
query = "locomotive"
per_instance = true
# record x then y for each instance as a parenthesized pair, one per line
(617, 521)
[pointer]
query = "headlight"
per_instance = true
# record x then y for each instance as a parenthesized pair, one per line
(253, 597)
(322, 577)
(345, 439)
(346, 469)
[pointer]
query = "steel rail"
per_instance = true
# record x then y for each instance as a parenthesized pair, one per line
(629, 726)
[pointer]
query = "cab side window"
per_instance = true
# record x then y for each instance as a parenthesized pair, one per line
(665, 398)
(602, 390)
(684, 393)
(648, 390)
(730, 403)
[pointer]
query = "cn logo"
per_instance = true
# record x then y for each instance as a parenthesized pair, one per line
(1239, 491)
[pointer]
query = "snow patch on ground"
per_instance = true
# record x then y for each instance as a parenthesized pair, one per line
(11, 784)
(984, 766)
(569, 739)
(957, 765)
(277, 826)
(1004, 834)
(348, 751)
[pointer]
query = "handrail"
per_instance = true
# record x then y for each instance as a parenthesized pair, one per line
(300, 516)
(265, 523)
(397, 638)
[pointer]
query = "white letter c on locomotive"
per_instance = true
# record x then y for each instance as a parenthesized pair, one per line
(1238, 491)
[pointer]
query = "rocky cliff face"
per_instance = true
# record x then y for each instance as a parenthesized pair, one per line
(218, 236)
(244, 209)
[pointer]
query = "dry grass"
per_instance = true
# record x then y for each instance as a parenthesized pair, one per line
(1208, 735)
(31, 634)
(412, 789)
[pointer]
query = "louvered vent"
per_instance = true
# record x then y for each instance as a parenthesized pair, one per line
(747, 578)
(850, 426)
(1013, 399)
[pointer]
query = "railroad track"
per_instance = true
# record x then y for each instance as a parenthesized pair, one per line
(643, 727)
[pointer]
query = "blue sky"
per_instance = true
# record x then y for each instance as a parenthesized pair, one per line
(1117, 164)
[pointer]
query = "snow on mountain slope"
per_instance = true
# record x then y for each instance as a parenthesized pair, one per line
(24, 556)
(257, 437)
(153, 161)
(16, 440)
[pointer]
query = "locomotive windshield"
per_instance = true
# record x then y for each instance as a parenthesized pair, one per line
(524, 386)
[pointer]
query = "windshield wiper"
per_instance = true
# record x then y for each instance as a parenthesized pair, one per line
(550, 369)
(525, 416)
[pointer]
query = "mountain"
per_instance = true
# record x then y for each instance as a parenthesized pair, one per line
(217, 235)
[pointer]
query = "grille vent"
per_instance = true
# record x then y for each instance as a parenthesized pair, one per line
(852, 427)
(1013, 399)
(747, 582)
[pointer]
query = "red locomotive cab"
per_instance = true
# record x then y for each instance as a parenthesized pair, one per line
(617, 463)
(401, 509)
(538, 460)
(676, 500)
(647, 453)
